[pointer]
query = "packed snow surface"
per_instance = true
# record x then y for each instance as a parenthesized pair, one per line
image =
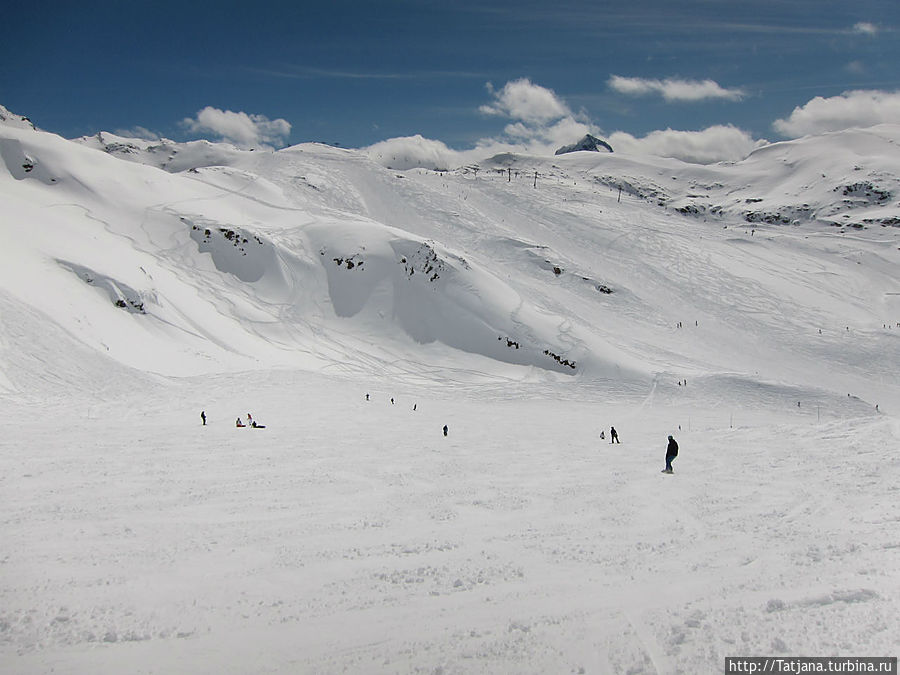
(751, 310)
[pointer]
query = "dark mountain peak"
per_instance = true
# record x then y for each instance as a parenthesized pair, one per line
(589, 143)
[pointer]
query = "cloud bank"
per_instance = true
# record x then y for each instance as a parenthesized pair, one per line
(239, 128)
(540, 122)
(715, 144)
(674, 90)
(852, 109)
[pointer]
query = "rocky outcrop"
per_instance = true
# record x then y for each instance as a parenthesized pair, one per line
(589, 143)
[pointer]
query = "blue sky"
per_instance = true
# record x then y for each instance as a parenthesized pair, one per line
(356, 73)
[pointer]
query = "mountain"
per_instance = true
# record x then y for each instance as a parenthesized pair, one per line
(749, 309)
(588, 143)
(232, 259)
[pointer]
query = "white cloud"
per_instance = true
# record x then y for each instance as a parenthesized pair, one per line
(410, 152)
(673, 89)
(865, 28)
(540, 122)
(714, 144)
(138, 132)
(538, 138)
(239, 128)
(523, 100)
(852, 109)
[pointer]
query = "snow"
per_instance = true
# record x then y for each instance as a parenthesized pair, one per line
(351, 535)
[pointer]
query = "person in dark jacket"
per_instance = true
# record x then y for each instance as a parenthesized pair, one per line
(671, 453)
(613, 435)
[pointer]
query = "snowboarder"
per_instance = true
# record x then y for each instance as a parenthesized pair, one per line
(203, 416)
(671, 453)
(445, 430)
(613, 436)
(238, 422)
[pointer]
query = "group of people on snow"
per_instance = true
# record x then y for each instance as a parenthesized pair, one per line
(671, 448)
(250, 423)
(238, 422)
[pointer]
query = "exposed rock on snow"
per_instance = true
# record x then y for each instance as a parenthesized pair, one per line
(588, 143)
(8, 118)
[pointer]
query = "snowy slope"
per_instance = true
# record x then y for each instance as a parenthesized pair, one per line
(528, 303)
(273, 247)
(224, 257)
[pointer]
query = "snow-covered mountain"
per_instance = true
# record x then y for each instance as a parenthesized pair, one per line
(582, 265)
(751, 309)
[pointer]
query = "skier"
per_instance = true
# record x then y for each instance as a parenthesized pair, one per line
(602, 435)
(249, 419)
(203, 416)
(671, 453)
(445, 430)
(613, 436)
